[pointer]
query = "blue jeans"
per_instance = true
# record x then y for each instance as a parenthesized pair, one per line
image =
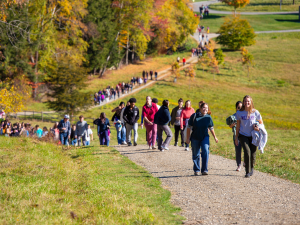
(119, 133)
(238, 153)
(64, 138)
(74, 141)
(87, 143)
(104, 138)
(204, 146)
(123, 133)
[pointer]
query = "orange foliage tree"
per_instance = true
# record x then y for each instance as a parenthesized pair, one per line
(236, 3)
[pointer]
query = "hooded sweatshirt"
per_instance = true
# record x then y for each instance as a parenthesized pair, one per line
(81, 128)
(185, 114)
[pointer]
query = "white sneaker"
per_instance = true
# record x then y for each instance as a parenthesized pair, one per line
(124, 143)
(186, 149)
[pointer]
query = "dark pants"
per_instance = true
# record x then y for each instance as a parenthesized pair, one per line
(177, 131)
(238, 153)
(104, 138)
(167, 130)
(249, 152)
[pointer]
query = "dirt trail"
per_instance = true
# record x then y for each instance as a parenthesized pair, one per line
(224, 196)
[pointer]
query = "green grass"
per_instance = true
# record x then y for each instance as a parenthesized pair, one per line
(258, 22)
(260, 6)
(43, 184)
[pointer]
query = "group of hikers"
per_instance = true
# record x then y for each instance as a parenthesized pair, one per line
(204, 11)
(192, 126)
(110, 93)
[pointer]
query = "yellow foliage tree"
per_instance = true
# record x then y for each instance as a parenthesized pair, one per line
(247, 60)
(236, 3)
(12, 98)
(209, 59)
(175, 70)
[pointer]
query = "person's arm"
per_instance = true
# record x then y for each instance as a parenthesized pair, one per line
(188, 132)
(137, 116)
(69, 129)
(212, 131)
(232, 125)
(76, 130)
(92, 136)
(238, 124)
(181, 120)
(115, 109)
(125, 115)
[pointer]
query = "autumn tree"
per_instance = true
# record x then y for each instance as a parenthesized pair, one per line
(236, 33)
(175, 70)
(220, 56)
(247, 60)
(236, 3)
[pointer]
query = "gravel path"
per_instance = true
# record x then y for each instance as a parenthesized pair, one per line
(224, 196)
(196, 6)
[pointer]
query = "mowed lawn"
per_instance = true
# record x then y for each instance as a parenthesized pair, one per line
(274, 85)
(44, 184)
(260, 6)
(258, 22)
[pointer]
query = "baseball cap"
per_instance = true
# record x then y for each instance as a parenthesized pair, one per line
(67, 117)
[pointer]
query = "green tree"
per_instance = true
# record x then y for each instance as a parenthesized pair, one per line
(236, 33)
(66, 84)
(220, 56)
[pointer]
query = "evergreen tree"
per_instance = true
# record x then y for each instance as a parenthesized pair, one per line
(65, 85)
(102, 35)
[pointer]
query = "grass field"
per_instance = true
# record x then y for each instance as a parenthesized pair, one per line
(260, 6)
(258, 22)
(43, 184)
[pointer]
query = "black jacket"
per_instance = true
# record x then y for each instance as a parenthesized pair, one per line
(131, 116)
(162, 117)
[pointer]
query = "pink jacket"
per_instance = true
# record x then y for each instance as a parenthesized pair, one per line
(185, 114)
(149, 112)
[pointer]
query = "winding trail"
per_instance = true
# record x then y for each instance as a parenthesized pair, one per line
(196, 6)
(224, 196)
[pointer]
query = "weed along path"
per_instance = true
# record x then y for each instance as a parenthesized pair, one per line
(224, 196)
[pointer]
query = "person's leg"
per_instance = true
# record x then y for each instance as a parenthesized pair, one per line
(159, 136)
(101, 138)
(66, 139)
(196, 155)
(106, 138)
(177, 129)
(123, 133)
(149, 133)
(118, 133)
(238, 154)
(154, 133)
(61, 135)
(135, 130)
(128, 133)
(182, 137)
(79, 140)
(205, 154)
(87, 143)
(169, 134)
(253, 155)
(246, 147)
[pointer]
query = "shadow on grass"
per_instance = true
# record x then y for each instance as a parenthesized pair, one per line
(293, 21)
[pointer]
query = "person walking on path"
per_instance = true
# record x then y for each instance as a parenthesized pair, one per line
(144, 74)
(162, 118)
(148, 112)
(155, 75)
(185, 115)
(103, 126)
(81, 129)
(64, 127)
(183, 61)
(200, 122)
(89, 136)
(118, 123)
(231, 122)
(123, 132)
(151, 74)
(131, 116)
(201, 9)
(175, 120)
(246, 123)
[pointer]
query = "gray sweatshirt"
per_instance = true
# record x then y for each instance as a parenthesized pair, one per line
(81, 128)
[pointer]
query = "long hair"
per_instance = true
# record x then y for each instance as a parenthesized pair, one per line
(187, 102)
(251, 105)
(208, 112)
(102, 117)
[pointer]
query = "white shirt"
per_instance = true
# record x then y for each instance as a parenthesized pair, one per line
(88, 133)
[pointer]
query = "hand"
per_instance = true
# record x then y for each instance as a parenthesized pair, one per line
(232, 125)
(188, 141)
(69, 136)
(63, 128)
(181, 128)
(255, 127)
(98, 135)
(216, 139)
(236, 142)
(142, 125)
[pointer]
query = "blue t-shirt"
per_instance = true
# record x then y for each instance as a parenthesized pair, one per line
(246, 122)
(39, 133)
(200, 125)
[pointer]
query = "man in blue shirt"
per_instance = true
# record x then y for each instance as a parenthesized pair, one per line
(64, 127)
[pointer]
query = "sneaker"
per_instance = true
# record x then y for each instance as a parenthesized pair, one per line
(186, 149)
(150, 147)
(166, 148)
(124, 143)
(176, 144)
(129, 144)
(162, 150)
(197, 173)
(204, 173)
(247, 175)
(182, 145)
(135, 144)
(239, 168)
(153, 147)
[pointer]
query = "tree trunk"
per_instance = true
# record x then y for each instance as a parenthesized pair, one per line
(127, 50)
(36, 74)
(95, 71)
